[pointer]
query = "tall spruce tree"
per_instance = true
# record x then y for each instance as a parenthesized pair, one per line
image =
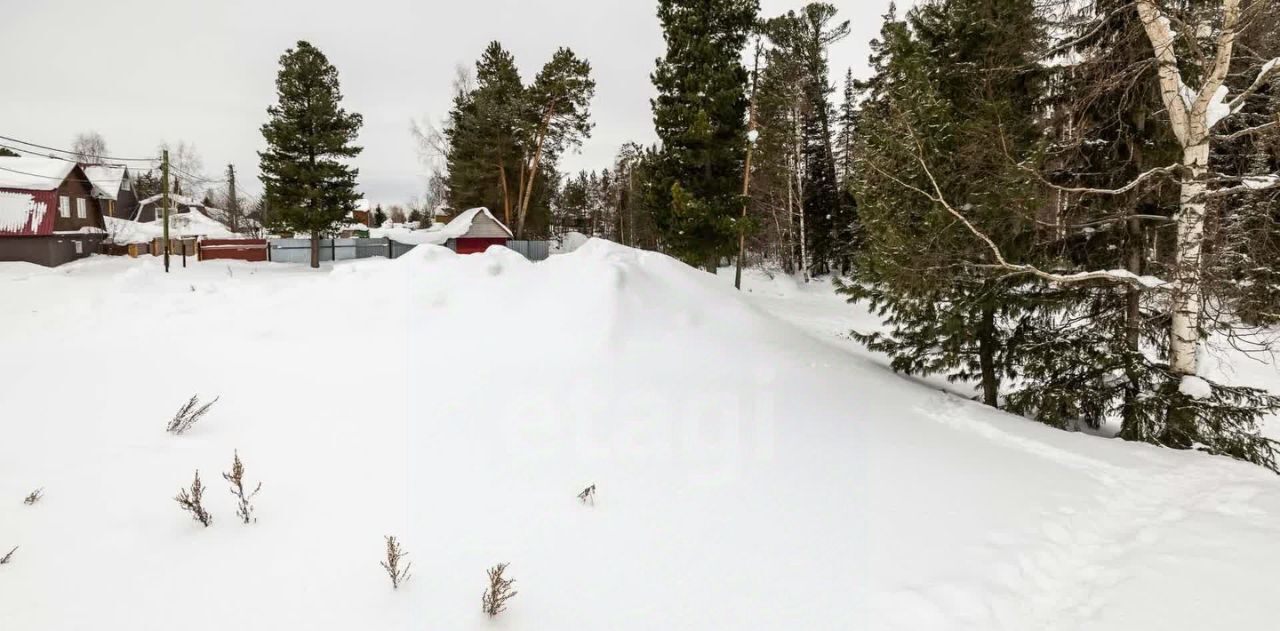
(948, 80)
(306, 182)
(700, 118)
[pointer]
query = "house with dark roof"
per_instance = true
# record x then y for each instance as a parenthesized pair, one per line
(48, 212)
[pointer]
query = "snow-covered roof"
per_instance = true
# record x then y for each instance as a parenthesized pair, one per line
(178, 200)
(438, 234)
(192, 224)
(106, 179)
(34, 174)
(461, 224)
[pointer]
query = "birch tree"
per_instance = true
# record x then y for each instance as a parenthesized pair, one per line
(1194, 111)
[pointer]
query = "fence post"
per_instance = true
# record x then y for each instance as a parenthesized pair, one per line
(391, 248)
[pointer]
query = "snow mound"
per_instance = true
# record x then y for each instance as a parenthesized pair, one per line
(749, 475)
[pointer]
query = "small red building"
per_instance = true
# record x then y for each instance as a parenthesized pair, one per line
(477, 229)
(49, 214)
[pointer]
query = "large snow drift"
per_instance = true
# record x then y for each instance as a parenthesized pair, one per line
(749, 476)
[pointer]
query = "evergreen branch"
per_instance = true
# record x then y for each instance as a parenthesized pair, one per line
(938, 197)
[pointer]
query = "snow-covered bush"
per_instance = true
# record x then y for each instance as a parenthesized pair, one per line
(34, 497)
(244, 508)
(588, 495)
(499, 591)
(192, 501)
(188, 414)
(392, 563)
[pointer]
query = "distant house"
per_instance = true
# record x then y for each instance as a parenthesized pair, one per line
(113, 187)
(475, 230)
(48, 212)
(363, 214)
(152, 208)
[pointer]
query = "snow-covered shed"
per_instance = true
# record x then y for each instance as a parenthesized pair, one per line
(476, 230)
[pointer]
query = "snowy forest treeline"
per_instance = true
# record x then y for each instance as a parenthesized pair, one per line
(1060, 201)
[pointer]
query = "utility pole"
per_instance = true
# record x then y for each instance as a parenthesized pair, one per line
(752, 135)
(165, 184)
(232, 200)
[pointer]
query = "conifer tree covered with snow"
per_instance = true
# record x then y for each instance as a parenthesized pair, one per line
(307, 183)
(700, 115)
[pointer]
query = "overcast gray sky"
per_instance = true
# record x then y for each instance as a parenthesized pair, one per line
(145, 71)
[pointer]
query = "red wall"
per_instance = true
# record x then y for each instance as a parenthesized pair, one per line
(50, 199)
(469, 245)
(234, 249)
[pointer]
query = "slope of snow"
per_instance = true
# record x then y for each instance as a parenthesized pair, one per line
(751, 475)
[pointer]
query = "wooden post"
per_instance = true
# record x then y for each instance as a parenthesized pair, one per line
(165, 190)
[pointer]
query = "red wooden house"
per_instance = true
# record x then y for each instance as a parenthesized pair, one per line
(49, 214)
(475, 231)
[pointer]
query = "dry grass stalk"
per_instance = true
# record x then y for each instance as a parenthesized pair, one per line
(588, 495)
(34, 496)
(4, 560)
(189, 414)
(499, 591)
(392, 563)
(192, 501)
(244, 508)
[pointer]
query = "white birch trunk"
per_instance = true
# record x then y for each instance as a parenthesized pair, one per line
(1186, 298)
(1189, 115)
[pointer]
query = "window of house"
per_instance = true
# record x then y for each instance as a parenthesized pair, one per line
(64, 206)
(81, 208)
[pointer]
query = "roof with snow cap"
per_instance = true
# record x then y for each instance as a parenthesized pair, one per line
(34, 174)
(106, 179)
(476, 223)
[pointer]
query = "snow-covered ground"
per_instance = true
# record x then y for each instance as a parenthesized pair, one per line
(754, 470)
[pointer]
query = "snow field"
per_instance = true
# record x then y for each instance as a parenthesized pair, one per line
(752, 474)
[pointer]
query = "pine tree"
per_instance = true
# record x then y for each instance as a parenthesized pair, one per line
(379, 216)
(306, 183)
(504, 138)
(946, 84)
(804, 38)
(700, 118)
(848, 121)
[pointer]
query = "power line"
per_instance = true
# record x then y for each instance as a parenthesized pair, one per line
(48, 177)
(53, 157)
(115, 159)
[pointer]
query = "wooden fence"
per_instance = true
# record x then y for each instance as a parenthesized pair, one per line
(233, 249)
